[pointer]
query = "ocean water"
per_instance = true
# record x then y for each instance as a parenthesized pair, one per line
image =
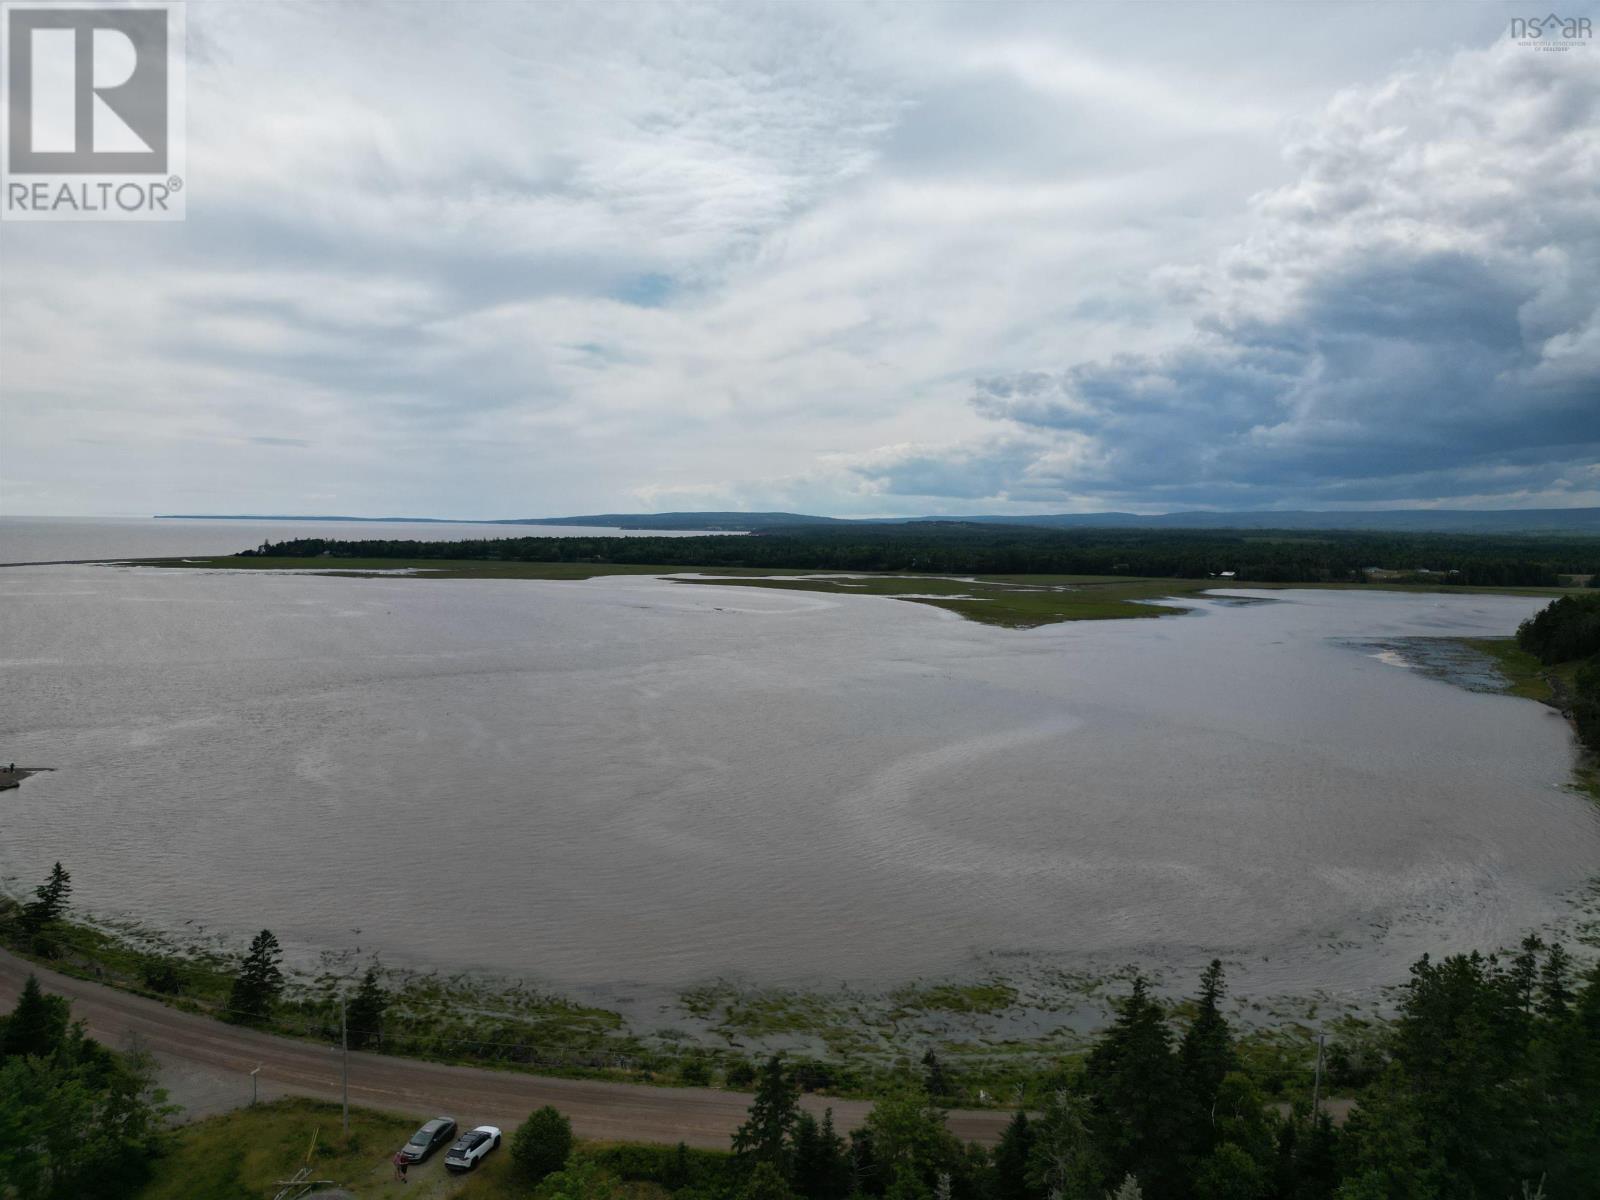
(626, 780)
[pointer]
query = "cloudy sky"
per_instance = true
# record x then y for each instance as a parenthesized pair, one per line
(514, 260)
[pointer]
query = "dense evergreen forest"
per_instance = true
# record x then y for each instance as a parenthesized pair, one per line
(1568, 631)
(1286, 557)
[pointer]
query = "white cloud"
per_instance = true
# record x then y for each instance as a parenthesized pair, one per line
(491, 260)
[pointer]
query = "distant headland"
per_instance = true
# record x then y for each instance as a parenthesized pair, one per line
(1398, 520)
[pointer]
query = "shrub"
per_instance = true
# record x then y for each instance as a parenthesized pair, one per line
(670, 1167)
(541, 1145)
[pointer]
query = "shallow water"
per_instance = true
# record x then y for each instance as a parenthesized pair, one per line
(628, 780)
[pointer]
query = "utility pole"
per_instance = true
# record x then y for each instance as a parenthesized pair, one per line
(344, 1043)
(1316, 1086)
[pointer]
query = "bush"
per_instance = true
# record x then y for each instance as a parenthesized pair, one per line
(162, 975)
(740, 1073)
(670, 1167)
(541, 1145)
(695, 1071)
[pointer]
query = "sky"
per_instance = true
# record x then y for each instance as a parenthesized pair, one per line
(501, 260)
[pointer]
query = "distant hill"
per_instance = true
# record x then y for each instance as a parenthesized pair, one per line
(1395, 520)
(683, 520)
(1392, 520)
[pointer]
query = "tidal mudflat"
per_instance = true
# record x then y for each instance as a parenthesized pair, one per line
(627, 788)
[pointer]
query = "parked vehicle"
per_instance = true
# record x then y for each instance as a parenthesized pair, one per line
(471, 1148)
(429, 1138)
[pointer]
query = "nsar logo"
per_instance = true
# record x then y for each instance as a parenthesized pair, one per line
(1551, 32)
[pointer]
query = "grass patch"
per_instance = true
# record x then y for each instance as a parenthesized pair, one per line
(243, 1155)
(1525, 675)
(986, 998)
(1013, 602)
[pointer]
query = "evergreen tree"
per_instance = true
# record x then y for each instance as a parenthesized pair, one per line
(541, 1145)
(1461, 1041)
(1555, 983)
(1308, 1164)
(1572, 1055)
(36, 1026)
(1523, 977)
(821, 1164)
(1206, 1056)
(1392, 1160)
(1133, 1079)
(1129, 1190)
(1010, 1178)
(935, 1079)
(364, 1015)
(260, 980)
(1063, 1164)
(767, 1135)
(49, 901)
(865, 1179)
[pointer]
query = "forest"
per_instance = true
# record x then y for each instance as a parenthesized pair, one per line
(1566, 634)
(1262, 556)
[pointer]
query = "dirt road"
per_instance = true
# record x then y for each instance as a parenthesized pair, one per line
(206, 1065)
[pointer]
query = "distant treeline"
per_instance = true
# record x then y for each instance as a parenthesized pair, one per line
(1284, 557)
(1566, 631)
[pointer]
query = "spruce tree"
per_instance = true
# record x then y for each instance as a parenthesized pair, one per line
(259, 981)
(1011, 1161)
(1206, 1056)
(36, 1026)
(767, 1135)
(1555, 983)
(821, 1166)
(364, 1016)
(49, 902)
(1134, 1079)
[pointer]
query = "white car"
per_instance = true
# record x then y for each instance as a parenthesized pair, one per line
(471, 1148)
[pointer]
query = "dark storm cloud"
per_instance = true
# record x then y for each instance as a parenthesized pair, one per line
(1392, 330)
